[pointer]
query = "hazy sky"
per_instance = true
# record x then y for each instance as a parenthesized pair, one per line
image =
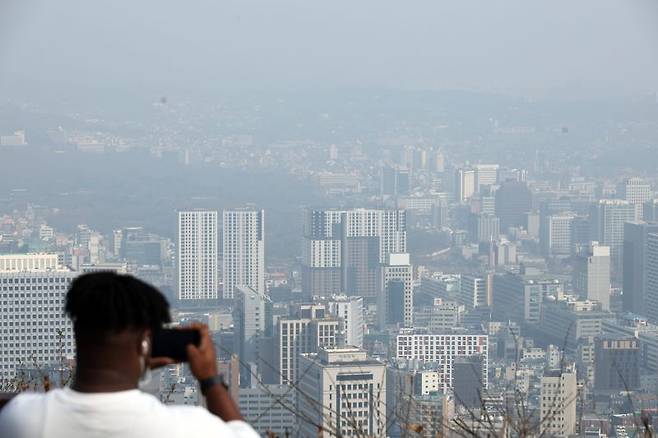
(518, 46)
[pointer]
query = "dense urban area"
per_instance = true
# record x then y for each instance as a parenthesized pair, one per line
(370, 263)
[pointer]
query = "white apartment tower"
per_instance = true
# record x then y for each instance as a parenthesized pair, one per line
(243, 250)
(558, 403)
(197, 255)
(344, 393)
(35, 331)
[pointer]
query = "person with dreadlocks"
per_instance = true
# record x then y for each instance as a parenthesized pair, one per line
(114, 317)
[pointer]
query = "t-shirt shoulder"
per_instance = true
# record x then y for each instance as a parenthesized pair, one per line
(22, 416)
(201, 423)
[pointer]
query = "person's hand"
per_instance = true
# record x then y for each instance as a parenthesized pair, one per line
(157, 362)
(202, 359)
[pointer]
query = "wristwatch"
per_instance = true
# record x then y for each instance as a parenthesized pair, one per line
(208, 383)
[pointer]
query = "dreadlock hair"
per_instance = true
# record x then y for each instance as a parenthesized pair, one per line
(104, 303)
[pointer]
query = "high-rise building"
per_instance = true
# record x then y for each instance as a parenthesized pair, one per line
(558, 397)
(650, 210)
(36, 331)
(309, 329)
(197, 255)
(467, 381)
(636, 191)
(442, 349)
(343, 250)
(651, 279)
(634, 270)
(253, 321)
(268, 409)
(591, 276)
(617, 364)
(519, 297)
(474, 291)
(464, 184)
(608, 217)
(486, 175)
(513, 201)
(243, 250)
(344, 394)
(396, 296)
(484, 227)
(349, 311)
(321, 253)
(555, 237)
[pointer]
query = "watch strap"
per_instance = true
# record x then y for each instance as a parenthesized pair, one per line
(208, 383)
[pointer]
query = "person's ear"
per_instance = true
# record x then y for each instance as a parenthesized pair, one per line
(145, 343)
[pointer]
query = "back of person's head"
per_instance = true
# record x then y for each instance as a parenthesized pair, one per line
(104, 303)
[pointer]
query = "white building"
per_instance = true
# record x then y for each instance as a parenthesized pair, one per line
(464, 184)
(344, 395)
(197, 255)
(556, 234)
(474, 291)
(485, 175)
(34, 327)
(592, 274)
(243, 250)
(558, 398)
(349, 310)
(637, 192)
(29, 262)
(300, 335)
(253, 320)
(442, 350)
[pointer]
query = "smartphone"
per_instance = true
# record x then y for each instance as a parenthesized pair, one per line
(173, 343)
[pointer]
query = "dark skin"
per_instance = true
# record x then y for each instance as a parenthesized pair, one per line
(116, 365)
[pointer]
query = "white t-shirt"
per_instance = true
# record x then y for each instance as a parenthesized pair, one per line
(65, 413)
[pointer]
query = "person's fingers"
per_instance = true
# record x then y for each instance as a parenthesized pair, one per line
(157, 362)
(192, 352)
(206, 342)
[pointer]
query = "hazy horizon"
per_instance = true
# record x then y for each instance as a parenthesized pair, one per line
(561, 48)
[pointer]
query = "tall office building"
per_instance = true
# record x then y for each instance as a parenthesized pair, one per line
(558, 397)
(608, 217)
(344, 395)
(321, 253)
(591, 277)
(555, 234)
(267, 408)
(636, 236)
(483, 227)
(467, 381)
(305, 332)
(197, 255)
(29, 262)
(519, 297)
(650, 210)
(396, 297)
(32, 308)
(651, 279)
(474, 291)
(253, 322)
(349, 311)
(443, 349)
(243, 250)
(636, 191)
(464, 184)
(486, 175)
(513, 201)
(617, 364)
(343, 250)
